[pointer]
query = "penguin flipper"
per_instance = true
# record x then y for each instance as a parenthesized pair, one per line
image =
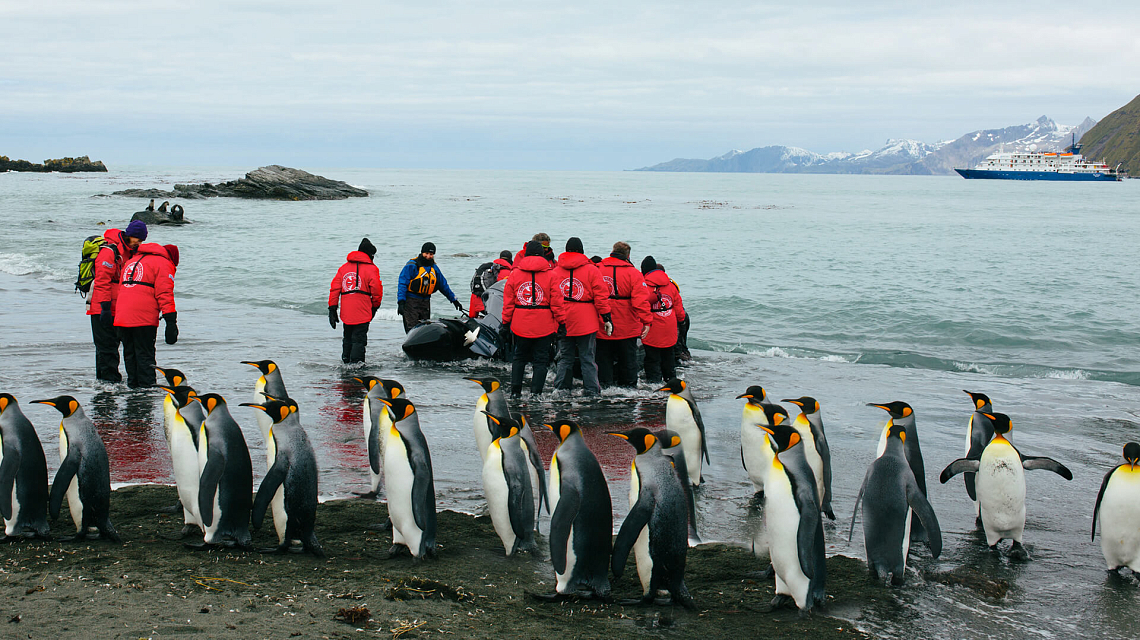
(208, 484)
(560, 523)
(631, 528)
(536, 461)
(423, 489)
(520, 495)
(824, 451)
(67, 470)
(374, 447)
(958, 466)
(920, 505)
(810, 522)
(858, 502)
(1048, 464)
(7, 479)
(1100, 496)
(269, 485)
(700, 425)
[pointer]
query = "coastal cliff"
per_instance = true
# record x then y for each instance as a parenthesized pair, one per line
(62, 165)
(1116, 139)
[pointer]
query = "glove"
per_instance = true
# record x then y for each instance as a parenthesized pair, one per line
(505, 333)
(645, 331)
(458, 304)
(399, 307)
(607, 324)
(105, 315)
(332, 317)
(171, 327)
(374, 310)
(561, 331)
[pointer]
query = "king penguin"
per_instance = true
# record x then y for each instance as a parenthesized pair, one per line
(292, 474)
(507, 486)
(1118, 507)
(409, 482)
(671, 446)
(23, 474)
(493, 402)
(979, 432)
(889, 497)
(756, 450)
(225, 488)
(182, 427)
(376, 425)
(656, 528)
(581, 524)
(271, 384)
(684, 418)
(810, 425)
(792, 523)
(537, 471)
(84, 474)
(903, 415)
(1000, 483)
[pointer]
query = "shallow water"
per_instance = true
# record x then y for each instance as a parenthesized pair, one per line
(852, 289)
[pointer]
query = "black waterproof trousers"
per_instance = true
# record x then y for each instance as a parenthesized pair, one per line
(659, 364)
(138, 355)
(617, 362)
(415, 309)
(536, 351)
(355, 341)
(106, 351)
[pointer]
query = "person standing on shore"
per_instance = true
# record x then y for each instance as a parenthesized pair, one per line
(146, 293)
(543, 239)
(357, 289)
(501, 268)
(587, 301)
(119, 246)
(419, 279)
(533, 313)
(667, 309)
(629, 308)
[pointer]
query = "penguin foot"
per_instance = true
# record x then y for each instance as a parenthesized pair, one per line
(199, 546)
(694, 540)
(175, 508)
(682, 597)
(756, 501)
(830, 515)
(766, 574)
(368, 495)
(1018, 552)
(380, 526)
(188, 529)
(276, 550)
(397, 550)
(781, 601)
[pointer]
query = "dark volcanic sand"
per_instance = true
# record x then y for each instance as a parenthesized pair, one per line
(152, 586)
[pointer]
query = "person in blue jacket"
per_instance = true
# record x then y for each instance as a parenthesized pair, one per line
(418, 280)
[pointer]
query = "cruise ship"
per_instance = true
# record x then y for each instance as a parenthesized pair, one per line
(1035, 165)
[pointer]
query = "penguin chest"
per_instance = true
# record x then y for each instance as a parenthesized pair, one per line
(782, 524)
(756, 450)
(398, 481)
(883, 439)
(481, 427)
(264, 422)
(74, 503)
(679, 418)
(10, 523)
(641, 545)
(366, 410)
(184, 460)
(170, 417)
(554, 491)
(803, 427)
(1120, 519)
(497, 491)
(280, 518)
(969, 434)
(1000, 485)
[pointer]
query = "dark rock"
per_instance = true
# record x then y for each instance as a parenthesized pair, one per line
(62, 165)
(176, 215)
(267, 183)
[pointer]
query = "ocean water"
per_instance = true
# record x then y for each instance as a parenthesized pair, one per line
(852, 289)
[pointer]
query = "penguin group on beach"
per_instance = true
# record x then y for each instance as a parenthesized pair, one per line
(787, 460)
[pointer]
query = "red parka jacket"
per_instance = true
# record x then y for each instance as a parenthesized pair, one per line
(665, 303)
(357, 288)
(476, 305)
(108, 267)
(586, 295)
(532, 301)
(629, 299)
(146, 292)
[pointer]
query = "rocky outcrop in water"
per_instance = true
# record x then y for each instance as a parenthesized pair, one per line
(162, 215)
(62, 165)
(267, 183)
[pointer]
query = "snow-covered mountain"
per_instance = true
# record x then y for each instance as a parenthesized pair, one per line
(897, 156)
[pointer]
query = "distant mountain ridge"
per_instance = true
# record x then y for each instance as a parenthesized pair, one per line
(896, 157)
(1116, 138)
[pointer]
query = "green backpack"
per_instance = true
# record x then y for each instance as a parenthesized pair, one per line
(91, 247)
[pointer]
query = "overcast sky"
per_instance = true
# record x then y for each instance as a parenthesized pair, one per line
(546, 85)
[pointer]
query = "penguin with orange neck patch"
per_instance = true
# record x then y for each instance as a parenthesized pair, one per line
(902, 414)
(1118, 510)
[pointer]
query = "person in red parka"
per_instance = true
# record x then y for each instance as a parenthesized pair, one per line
(587, 300)
(501, 267)
(547, 252)
(533, 313)
(358, 290)
(629, 308)
(668, 311)
(146, 293)
(108, 267)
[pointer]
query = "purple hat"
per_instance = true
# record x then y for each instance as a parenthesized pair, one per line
(136, 229)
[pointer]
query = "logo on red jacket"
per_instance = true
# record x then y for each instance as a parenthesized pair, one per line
(523, 294)
(664, 306)
(613, 285)
(133, 273)
(349, 283)
(572, 290)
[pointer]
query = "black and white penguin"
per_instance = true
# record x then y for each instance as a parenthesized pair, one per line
(537, 471)
(293, 474)
(756, 450)
(903, 415)
(507, 486)
(792, 523)
(1000, 483)
(409, 482)
(890, 497)
(225, 488)
(684, 418)
(23, 474)
(84, 474)
(271, 384)
(377, 422)
(494, 402)
(182, 426)
(810, 425)
(582, 525)
(979, 432)
(1118, 508)
(656, 528)
(671, 446)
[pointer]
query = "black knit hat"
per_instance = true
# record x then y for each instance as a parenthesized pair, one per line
(506, 254)
(648, 264)
(429, 247)
(575, 245)
(367, 247)
(534, 248)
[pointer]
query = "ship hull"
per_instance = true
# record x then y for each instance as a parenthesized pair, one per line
(984, 174)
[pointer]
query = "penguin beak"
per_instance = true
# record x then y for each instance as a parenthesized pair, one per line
(768, 429)
(872, 404)
(743, 395)
(795, 402)
(620, 435)
(255, 406)
(166, 389)
(50, 403)
(669, 389)
(548, 426)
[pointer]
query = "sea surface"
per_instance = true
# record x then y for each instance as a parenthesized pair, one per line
(851, 289)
